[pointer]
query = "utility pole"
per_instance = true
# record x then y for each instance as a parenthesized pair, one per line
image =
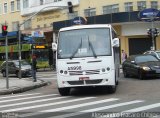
(4, 33)
(153, 37)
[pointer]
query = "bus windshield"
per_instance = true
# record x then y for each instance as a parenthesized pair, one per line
(84, 43)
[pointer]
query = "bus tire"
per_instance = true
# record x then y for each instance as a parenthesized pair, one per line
(64, 91)
(112, 89)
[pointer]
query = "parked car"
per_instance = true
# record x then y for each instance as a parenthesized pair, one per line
(155, 53)
(13, 68)
(142, 66)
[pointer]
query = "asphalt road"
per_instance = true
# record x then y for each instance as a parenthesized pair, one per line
(132, 95)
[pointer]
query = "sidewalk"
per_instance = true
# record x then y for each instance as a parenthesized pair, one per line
(17, 85)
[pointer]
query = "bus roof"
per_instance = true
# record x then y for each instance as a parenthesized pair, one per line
(86, 26)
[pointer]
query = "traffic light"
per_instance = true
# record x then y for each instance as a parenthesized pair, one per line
(4, 30)
(70, 7)
(149, 32)
(156, 32)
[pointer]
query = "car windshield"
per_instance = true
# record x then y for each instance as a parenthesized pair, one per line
(84, 43)
(22, 63)
(145, 58)
(158, 54)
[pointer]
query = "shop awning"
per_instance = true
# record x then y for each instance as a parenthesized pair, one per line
(9, 35)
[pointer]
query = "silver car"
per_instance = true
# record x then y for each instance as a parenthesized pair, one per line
(155, 53)
(13, 68)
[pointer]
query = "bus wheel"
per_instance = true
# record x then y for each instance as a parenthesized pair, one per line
(112, 89)
(64, 91)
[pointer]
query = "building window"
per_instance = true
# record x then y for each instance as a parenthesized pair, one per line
(41, 2)
(55, 0)
(27, 24)
(25, 3)
(128, 6)
(15, 26)
(18, 5)
(115, 8)
(12, 6)
(5, 7)
(90, 12)
(141, 5)
(72, 15)
(154, 4)
(111, 9)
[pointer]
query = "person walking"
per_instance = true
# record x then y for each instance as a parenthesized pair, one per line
(34, 63)
(123, 56)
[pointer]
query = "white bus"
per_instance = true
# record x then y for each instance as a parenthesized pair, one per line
(87, 55)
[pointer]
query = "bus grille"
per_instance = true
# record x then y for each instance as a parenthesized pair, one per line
(84, 72)
(81, 82)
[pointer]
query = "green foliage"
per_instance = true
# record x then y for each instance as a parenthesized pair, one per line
(42, 64)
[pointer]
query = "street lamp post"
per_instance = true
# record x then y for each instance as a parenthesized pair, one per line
(7, 79)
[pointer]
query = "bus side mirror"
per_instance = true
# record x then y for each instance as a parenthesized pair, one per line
(115, 42)
(54, 46)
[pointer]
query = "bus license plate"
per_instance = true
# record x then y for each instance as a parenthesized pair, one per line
(83, 78)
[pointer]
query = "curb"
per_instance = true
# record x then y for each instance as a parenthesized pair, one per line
(23, 89)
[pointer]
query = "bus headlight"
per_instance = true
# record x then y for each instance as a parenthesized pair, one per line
(65, 72)
(61, 71)
(146, 68)
(108, 68)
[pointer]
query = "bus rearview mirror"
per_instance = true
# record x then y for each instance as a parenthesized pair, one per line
(54, 46)
(115, 42)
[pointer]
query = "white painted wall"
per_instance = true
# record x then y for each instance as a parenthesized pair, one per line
(34, 6)
(137, 28)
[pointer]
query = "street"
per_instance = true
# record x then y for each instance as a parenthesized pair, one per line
(132, 96)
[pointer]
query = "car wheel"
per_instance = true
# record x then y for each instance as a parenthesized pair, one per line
(125, 73)
(4, 74)
(112, 89)
(64, 91)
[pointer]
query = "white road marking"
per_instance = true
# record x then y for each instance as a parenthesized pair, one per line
(45, 105)
(80, 105)
(24, 98)
(98, 109)
(71, 107)
(14, 95)
(29, 102)
(143, 108)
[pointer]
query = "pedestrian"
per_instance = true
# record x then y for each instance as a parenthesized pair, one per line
(34, 63)
(123, 56)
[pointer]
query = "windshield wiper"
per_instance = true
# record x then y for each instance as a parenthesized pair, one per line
(90, 45)
(80, 45)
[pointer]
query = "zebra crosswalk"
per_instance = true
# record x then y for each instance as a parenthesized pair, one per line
(39, 105)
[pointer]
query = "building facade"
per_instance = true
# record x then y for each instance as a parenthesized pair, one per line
(48, 16)
(123, 15)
